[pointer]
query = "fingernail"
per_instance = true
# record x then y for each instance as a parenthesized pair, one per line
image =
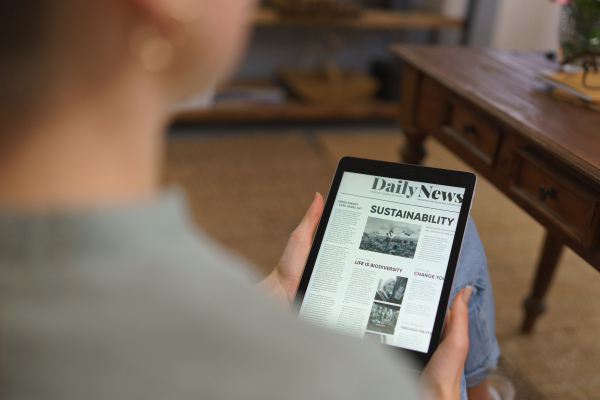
(467, 293)
(316, 195)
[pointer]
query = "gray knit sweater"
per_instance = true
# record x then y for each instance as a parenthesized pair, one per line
(136, 303)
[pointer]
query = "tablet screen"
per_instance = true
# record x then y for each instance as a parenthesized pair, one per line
(381, 266)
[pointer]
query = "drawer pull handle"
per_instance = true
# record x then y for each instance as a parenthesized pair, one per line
(544, 192)
(469, 129)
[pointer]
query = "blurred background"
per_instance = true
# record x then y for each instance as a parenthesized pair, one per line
(319, 82)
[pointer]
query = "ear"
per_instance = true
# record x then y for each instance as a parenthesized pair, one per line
(163, 13)
(171, 18)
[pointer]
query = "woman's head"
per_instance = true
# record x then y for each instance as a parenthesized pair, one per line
(389, 286)
(86, 87)
(55, 48)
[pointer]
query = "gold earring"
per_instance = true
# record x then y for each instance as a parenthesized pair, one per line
(154, 52)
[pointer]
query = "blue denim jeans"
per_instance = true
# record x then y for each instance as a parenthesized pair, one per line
(472, 270)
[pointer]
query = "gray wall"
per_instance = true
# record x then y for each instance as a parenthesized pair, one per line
(483, 23)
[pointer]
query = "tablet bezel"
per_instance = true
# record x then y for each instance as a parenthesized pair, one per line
(409, 172)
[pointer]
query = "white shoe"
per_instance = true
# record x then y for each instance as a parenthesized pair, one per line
(500, 387)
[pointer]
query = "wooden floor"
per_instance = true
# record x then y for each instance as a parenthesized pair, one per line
(249, 191)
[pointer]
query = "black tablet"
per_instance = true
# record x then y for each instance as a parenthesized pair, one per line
(385, 252)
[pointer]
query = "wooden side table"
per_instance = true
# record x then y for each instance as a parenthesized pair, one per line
(485, 106)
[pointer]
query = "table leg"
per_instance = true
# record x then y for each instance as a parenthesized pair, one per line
(413, 151)
(535, 303)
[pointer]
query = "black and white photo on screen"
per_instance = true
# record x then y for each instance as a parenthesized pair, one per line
(395, 238)
(391, 290)
(383, 318)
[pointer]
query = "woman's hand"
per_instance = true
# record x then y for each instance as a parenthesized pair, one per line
(441, 377)
(281, 284)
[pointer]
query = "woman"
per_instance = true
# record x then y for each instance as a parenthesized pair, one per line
(388, 291)
(108, 291)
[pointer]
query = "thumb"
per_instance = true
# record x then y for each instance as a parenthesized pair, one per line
(456, 332)
(309, 223)
(443, 372)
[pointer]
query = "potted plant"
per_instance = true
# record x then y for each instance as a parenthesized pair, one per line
(580, 34)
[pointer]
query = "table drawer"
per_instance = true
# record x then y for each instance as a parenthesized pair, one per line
(474, 132)
(558, 196)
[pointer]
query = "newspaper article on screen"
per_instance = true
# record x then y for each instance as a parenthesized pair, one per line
(381, 267)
